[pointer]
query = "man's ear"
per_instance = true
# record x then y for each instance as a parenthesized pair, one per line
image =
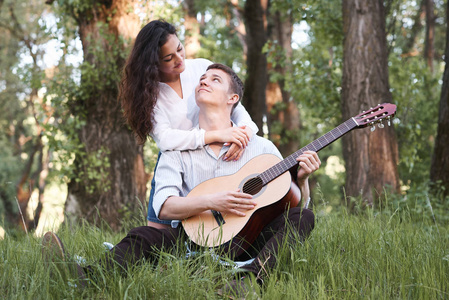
(234, 98)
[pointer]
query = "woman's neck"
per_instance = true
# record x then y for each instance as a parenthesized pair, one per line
(170, 78)
(175, 84)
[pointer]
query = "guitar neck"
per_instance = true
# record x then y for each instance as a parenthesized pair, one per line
(318, 144)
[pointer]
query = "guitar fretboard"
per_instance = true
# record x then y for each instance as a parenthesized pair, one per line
(318, 144)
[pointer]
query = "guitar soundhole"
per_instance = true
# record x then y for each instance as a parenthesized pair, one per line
(253, 186)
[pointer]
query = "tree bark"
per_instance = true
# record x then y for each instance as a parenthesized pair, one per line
(430, 34)
(440, 160)
(371, 157)
(256, 36)
(118, 186)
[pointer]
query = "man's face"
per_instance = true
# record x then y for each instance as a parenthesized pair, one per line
(213, 88)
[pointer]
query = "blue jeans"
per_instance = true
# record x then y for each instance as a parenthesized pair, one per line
(151, 216)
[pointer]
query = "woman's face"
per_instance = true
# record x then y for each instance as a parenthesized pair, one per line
(171, 57)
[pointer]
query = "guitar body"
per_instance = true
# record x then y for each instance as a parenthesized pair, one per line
(272, 199)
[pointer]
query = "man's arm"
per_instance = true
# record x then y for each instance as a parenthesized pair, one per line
(179, 208)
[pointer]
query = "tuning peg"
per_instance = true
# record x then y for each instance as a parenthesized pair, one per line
(373, 128)
(380, 125)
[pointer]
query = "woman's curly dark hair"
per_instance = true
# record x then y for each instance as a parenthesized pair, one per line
(139, 86)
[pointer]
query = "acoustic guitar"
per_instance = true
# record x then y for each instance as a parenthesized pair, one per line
(266, 177)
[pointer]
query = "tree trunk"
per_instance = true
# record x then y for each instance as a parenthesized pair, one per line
(430, 34)
(192, 29)
(371, 157)
(440, 160)
(256, 81)
(110, 180)
(414, 31)
(287, 114)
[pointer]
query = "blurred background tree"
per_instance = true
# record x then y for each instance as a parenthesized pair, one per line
(25, 157)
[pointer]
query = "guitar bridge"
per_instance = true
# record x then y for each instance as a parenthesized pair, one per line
(218, 217)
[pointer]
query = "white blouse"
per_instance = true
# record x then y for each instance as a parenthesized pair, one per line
(176, 118)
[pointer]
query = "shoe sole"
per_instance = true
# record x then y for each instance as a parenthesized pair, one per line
(53, 255)
(52, 247)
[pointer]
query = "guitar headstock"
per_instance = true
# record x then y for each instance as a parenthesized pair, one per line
(376, 115)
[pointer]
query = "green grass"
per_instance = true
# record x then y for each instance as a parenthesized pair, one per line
(372, 255)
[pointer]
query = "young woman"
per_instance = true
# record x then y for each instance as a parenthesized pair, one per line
(158, 99)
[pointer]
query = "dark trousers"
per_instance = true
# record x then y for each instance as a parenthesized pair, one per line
(144, 242)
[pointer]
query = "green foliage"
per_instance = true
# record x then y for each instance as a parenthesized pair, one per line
(221, 44)
(93, 173)
(415, 89)
(78, 8)
(219, 39)
(325, 19)
(314, 81)
(61, 133)
(422, 204)
(169, 11)
(103, 73)
(317, 65)
(416, 92)
(9, 171)
(400, 23)
(22, 39)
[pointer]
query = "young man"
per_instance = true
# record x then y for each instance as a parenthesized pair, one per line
(218, 91)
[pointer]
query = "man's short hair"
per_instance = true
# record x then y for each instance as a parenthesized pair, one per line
(236, 86)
